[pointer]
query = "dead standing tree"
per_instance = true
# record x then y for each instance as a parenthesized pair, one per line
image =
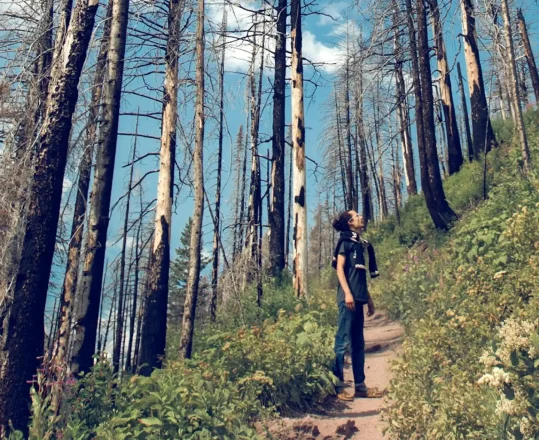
(454, 149)
(517, 106)
(298, 144)
(277, 197)
(22, 312)
(188, 325)
(153, 338)
(483, 135)
(532, 67)
(89, 290)
(431, 181)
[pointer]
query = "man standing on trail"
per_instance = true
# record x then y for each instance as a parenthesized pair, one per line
(352, 295)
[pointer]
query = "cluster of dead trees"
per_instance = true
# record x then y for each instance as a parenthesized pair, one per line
(393, 126)
(69, 68)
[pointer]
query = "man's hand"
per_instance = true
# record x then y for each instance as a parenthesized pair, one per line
(370, 307)
(349, 301)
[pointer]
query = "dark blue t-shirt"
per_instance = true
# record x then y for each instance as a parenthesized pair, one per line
(355, 271)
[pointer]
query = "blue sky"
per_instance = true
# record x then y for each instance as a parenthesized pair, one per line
(323, 36)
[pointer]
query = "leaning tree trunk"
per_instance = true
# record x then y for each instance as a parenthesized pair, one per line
(298, 145)
(89, 292)
(454, 149)
(217, 226)
(191, 295)
(483, 135)
(529, 55)
(439, 209)
(525, 151)
(277, 206)
(22, 312)
(154, 329)
(79, 212)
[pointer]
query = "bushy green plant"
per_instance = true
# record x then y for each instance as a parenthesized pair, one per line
(293, 354)
(452, 294)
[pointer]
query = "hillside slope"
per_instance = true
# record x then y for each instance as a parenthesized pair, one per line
(470, 358)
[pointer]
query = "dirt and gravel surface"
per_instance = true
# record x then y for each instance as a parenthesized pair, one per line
(360, 419)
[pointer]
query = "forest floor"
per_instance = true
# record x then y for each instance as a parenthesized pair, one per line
(361, 418)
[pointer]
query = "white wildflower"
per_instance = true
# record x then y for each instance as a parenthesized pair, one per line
(497, 379)
(515, 336)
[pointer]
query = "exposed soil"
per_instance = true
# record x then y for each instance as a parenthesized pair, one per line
(360, 419)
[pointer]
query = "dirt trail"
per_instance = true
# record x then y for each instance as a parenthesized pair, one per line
(361, 418)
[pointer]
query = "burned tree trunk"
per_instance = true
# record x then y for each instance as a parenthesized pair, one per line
(277, 196)
(298, 144)
(79, 212)
(517, 107)
(431, 181)
(454, 149)
(116, 355)
(217, 226)
(89, 293)
(22, 315)
(402, 111)
(350, 163)
(465, 116)
(361, 155)
(483, 135)
(154, 329)
(191, 296)
(529, 54)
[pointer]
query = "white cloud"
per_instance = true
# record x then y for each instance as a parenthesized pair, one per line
(316, 51)
(332, 13)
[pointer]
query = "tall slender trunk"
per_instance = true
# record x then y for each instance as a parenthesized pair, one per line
(134, 305)
(289, 206)
(439, 209)
(454, 149)
(402, 110)
(342, 160)
(529, 54)
(243, 182)
(238, 197)
(510, 53)
(120, 321)
(90, 286)
(154, 330)
(217, 226)
(22, 316)
(469, 142)
(79, 211)
(350, 163)
(361, 155)
(483, 135)
(382, 194)
(186, 340)
(277, 205)
(300, 262)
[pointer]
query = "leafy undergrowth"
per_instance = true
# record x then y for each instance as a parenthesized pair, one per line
(470, 361)
(277, 360)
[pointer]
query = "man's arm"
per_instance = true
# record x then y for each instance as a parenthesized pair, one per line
(348, 297)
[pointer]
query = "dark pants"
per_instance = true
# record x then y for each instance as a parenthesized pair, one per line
(350, 336)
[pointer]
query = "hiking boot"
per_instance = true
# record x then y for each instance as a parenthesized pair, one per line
(369, 393)
(344, 395)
